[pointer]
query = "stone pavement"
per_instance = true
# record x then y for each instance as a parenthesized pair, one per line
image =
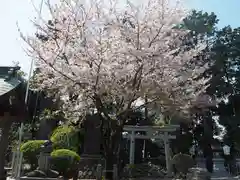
(219, 171)
(218, 174)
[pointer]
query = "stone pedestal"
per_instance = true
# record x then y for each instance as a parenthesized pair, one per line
(43, 161)
(44, 158)
(91, 160)
(88, 166)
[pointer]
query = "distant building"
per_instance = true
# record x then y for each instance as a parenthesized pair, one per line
(12, 107)
(11, 92)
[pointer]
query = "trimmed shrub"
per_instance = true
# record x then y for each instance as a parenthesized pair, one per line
(182, 163)
(30, 150)
(66, 137)
(64, 161)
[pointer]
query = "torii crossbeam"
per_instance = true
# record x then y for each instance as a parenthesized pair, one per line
(151, 132)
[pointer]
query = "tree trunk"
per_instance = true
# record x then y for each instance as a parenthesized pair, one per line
(112, 151)
(109, 165)
(6, 126)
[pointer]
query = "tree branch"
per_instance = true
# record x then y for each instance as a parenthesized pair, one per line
(100, 107)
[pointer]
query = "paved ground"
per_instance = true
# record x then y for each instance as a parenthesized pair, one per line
(219, 171)
(218, 174)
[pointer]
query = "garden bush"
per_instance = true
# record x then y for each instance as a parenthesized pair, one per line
(66, 137)
(31, 150)
(182, 163)
(64, 161)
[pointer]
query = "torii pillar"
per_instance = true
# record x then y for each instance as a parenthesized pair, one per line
(167, 153)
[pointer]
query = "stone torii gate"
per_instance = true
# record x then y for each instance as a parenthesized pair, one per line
(151, 132)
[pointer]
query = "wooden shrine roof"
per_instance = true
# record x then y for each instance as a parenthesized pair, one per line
(9, 79)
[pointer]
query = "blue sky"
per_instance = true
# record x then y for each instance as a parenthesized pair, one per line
(11, 11)
(11, 50)
(227, 10)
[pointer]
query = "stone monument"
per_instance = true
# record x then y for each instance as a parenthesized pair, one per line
(91, 156)
(92, 135)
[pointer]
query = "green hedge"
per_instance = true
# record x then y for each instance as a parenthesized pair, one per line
(182, 163)
(66, 137)
(64, 160)
(30, 150)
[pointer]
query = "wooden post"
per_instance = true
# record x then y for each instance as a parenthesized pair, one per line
(14, 163)
(13, 159)
(144, 149)
(115, 172)
(132, 148)
(167, 153)
(99, 172)
(19, 168)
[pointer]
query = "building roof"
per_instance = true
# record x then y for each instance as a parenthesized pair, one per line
(9, 79)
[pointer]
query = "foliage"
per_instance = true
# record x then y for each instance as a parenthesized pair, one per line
(66, 137)
(31, 150)
(142, 170)
(123, 58)
(94, 54)
(225, 75)
(225, 63)
(48, 114)
(201, 22)
(203, 27)
(64, 160)
(223, 45)
(182, 163)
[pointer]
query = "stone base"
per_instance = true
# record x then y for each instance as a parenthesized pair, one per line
(88, 165)
(36, 178)
(198, 173)
(91, 155)
(91, 160)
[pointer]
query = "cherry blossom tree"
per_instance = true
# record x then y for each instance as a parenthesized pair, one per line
(105, 52)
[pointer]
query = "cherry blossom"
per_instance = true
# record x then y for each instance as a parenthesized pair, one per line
(94, 53)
